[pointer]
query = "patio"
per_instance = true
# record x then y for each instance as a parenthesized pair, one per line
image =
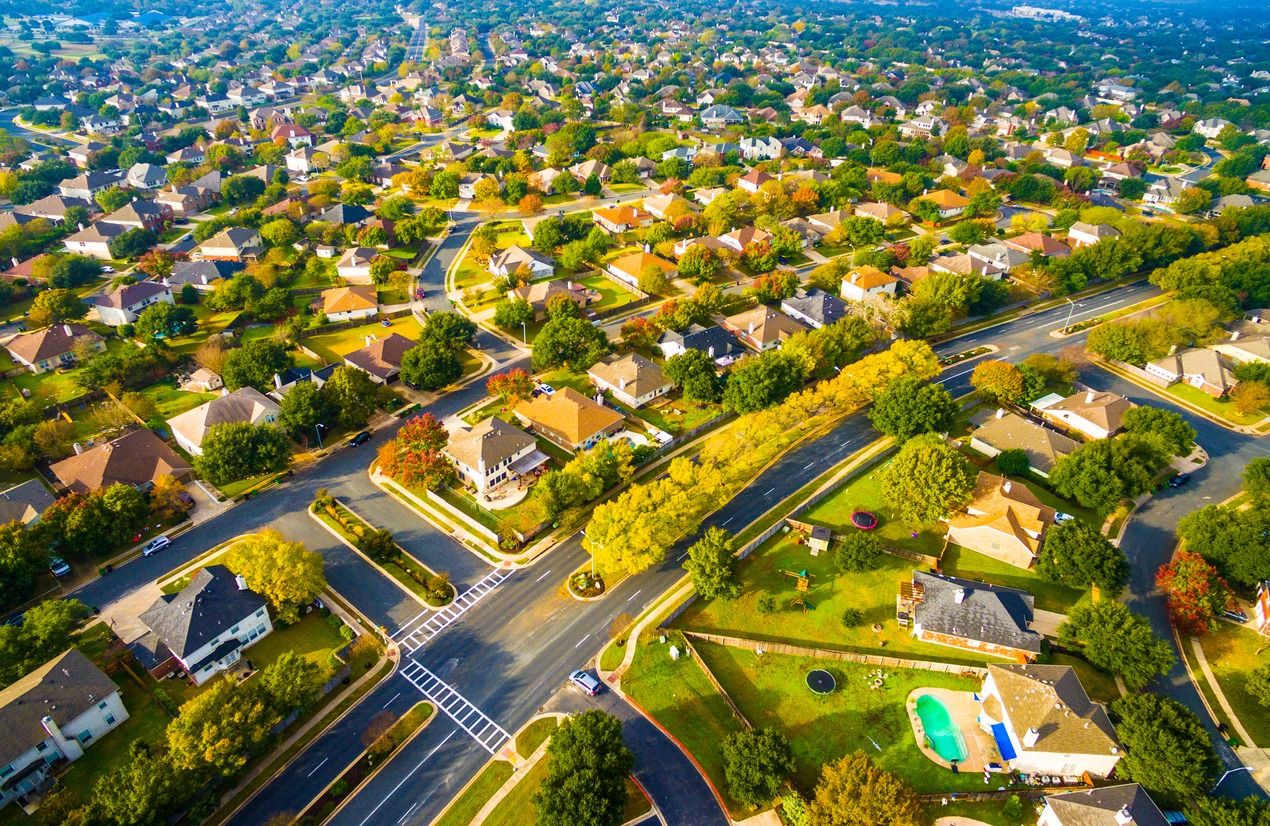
(963, 710)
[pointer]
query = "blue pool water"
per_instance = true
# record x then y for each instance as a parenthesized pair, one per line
(944, 735)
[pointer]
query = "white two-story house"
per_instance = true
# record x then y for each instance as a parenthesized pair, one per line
(122, 306)
(492, 453)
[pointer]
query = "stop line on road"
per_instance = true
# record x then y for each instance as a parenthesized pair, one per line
(488, 734)
(427, 624)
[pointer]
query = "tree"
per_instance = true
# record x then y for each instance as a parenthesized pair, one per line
(530, 205)
(302, 409)
(164, 320)
(382, 268)
(510, 314)
(1222, 811)
(55, 306)
(255, 363)
(241, 189)
(695, 372)
(998, 381)
(112, 198)
(430, 366)
(284, 573)
(1168, 750)
(910, 406)
(569, 341)
(857, 551)
(239, 450)
(773, 287)
(1197, 594)
(1013, 461)
(449, 330)
(142, 790)
(291, 682)
(854, 792)
(414, 457)
(1077, 555)
(968, 232)
(1176, 436)
(45, 633)
(220, 729)
(513, 386)
(1101, 473)
(755, 764)
(1250, 396)
(592, 186)
(1235, 540)
(699, 264)
(586, 773)
(1256, 477)
(279, 232)
(21, 560)
(1191, 200)
(712, 563)
(1117, 641)
(927, 480)
(759, 383)
(350, 394)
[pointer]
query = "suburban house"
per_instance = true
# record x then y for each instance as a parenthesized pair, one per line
(762, 328)
(752, 180)
(950, 204)
(204, 380)
(1081, 234)
(602, 171)
(1200, 367)
(25, 503)
(204, 628)
(628, 268)
(1043, 722)
(138, 458)
(719, 116)
(506, 263)
(877, 210)
(147, 176)
(292, 135)
(659, 205)
(715, 342)
(997, 258)
(738, 239)
(617, 219)
(1033, 242)
(1092, 413)
(866, 283)
(761, 149)
(348, 303)
(138, 214)
(52, 347)
(540, 293)
(246, 404)
(974, 616)
(123, 305)
(816, 309)
(94, 240)
(48, 717)
(1003, 430)
(354, 265)
(381, 358)
(1004, 520)
(202, 275)
(491, 453)
(1244, 348)
(1124, 805)
(568, 418)
(632, 379)
(232, 244)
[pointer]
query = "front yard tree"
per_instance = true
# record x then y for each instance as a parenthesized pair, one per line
(513, 386)
(1177, 437)
(238, 450)
(699, 264)
(509, 314)
(911, 406)
(857, 551)
(1077, 555)
(586, 773)
(1101, 473)
(350, 394)
(21, 560)
(569, 341)
(255, 363)
(759, 383)
(927, 480)
(302, 409)
(45, 633)
(1197, 593)
(1117, 641)
(219, 730)
(694, 371)
(143, 790)
(756, 763)
(382, 268)
(1256, 478)
(132, 243)
(414, 457)
(712, 563)
(291, 682)
(430, 366)
(449, 330)
(164, 320)
(55, 306)
(998, 381)
(285, 573)
(1168, 750)
(165, 497)
(854, 792)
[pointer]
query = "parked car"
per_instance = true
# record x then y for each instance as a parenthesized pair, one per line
(360, 439)
(1179, 480)
(1060, 518)
(58, 566)
(157, 544)
(585, 682)
(107, 268)
(186, 500)
(547, 388)
(1235, 615)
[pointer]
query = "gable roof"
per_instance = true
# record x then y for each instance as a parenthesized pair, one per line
(568, 412)
(1007, 507)
(211, 604)
(382, 357)
(63, 688)
(351, 298)
(820, 307)
(203, 272)
(133, 459)
(1199, 361)
(1004, 430)
(715, 341)
(1098, 807)
(764, 325)
(50, 342)
(987, 613)
(25, 503)
(946, 199)
(246, 404)
(1050, 699)
(1106, 410)
(632, 372)
(131, 294)
(487, 443)
(633, 265)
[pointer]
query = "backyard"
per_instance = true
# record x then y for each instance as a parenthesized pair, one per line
(334, 345)
(674, 414)
(1234, 653)
(865, 493)
(60, 385)
(612, 294)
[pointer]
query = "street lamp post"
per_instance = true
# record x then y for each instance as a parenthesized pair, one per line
(1068, 323)
(1228, 774)
(524, 332)
(317, 428)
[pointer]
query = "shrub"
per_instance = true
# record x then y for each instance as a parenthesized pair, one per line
(347, 633)
(1013, 807)
(853, 618)
(766, 604)
(857, 551)
(1013, 462)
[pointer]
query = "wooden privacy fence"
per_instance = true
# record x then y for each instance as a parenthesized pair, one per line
(842, 656)
(916, 556)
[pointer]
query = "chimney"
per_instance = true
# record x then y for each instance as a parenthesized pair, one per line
(81, 226)
(959, 596)
(854, 276)
(1031, 738)
(369, 339)
(1234, 336)
(78, 448)
(1089, 397)
(1124, 817)
(66, 328)
(621, 384)
(710, 351)
(1173, 350)
(15, 261)
(241, 581)
(751, 329)
(277, 382)
(1000, 412)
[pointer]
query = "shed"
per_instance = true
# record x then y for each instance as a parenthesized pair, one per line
(819, 540)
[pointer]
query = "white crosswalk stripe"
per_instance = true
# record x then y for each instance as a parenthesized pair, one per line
(482, 729)
(427, 624)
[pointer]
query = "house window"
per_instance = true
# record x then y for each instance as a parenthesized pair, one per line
(102, 705)
(260, 629)
(234, 630)
(260, 613)
(42, 747)
(84, 737)
(254, 633)
(6, 771)
(110, 719)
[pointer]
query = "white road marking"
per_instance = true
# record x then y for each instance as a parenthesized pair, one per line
(682, 555)
(1087, 312)
(541, 578)
(404, 779)
(318, 766)
(409, 811)
(769, 493)
(584, 639)
(730, 518)
(632, 596)
(413, 638)
(488, 734)
(393, 700)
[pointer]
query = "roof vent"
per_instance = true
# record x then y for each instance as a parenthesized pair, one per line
(959, 596)
(1089, 397)
(1124, 817)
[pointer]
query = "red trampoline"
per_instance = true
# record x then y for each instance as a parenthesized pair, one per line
(864, 520)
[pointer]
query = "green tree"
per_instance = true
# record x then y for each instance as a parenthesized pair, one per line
(430, 366)
(1236, 541)
(449, 330)
(164, 320)
(142, 790)
(255, 363)
(569, 341)
(854, 792)
(220, 729)
(112, 198)
(291, 682)
(238, 450)
(1101, 473)
(910, 406)
(45, 633)
(1222, 811)
(998, 381)
(712, 563)
(759, 383)
(21, 560)
(382, 268)
(510, 314)
(699, 264)
(1013, 461)
(285, 573)
(279, 232)
(695, 372)
(1168, 750)
(302, 409)
(1117, 641)
(1256, 477)
(132, 243)
(592, 186)
(857, 551)
(1077, 555)
(1175, 435)
(1258, 684)
(241, 189)
(586, 773)
(756, 763)
(927, 480)
(55, 306)
(350, 393)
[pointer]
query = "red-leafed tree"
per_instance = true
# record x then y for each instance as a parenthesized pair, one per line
(414, 458)
(640, 332)
(512, 386)
(1196, 592)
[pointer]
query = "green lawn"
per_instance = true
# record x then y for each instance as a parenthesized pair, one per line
(636, 803)
(489, 781)
(562, 378)
(831, 594)
(1225, 409)
(675, 414)
(325, 278)
(209, 323)
(985, 811)
(865, 493)
(388, 295)
(961, 562)
(232, 489)
(314, 637)
(171, 400)
(513, 810)
(1233, 653)
(611, 294)
(333, 346)
(146, 721)
(60, 385)
(534, 735)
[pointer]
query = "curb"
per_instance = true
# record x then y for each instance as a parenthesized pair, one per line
(1246, 430)
(369, 561)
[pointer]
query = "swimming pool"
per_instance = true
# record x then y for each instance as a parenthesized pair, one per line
(944, 735)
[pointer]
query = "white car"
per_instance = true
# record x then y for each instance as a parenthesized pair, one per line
(1061, 518)
(107, 268)
(157, 544)
(585, 682)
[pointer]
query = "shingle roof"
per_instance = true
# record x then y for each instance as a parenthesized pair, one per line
(346, 299)
(704, 339)
(130, 294)
(570, 413)
(63, 688)
(25, 502)
(211, 604)
(987, 613)
(382, 357)
(1098, 807)
(1050, 699)
(133, 459)
(1006, 431)
(1103, 409)
(764, 325)
(820, 307)
(50, 342)
(246, 404)
(203, 272)
(490, 442)
(1008, 508)
(634, 373)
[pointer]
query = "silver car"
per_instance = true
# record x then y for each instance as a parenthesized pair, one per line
(585, 682)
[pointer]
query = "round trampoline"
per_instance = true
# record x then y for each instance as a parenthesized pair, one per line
(821, 681)
(864, 520)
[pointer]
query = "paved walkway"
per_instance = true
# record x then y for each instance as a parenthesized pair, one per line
(1217, 692)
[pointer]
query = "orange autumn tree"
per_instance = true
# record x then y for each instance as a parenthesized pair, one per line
(414, 457)
(1197, 594)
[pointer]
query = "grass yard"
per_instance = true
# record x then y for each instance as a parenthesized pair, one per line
(146, 721)
(967, 564)
(333, 346)
(985, 811)
(404, 569)
(611, 294)
(534, 735)
(314, 637)
(232, 489)
(674, 414)
(1233, 653)
(562, 378)
(831, 594)
(865, 493)
(60, 385)
(771, 691)
(636, 803)
(325, 278)
(171, 400)
(489, 781)
(513, 809)
(1224, 409)
(209, 324)
(389, 295)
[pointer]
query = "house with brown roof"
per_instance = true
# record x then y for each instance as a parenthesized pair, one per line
(568, 418)
(950, 204)
(989, 620)
(1081, 234)
(875, 175)
(658, 205)
(138, 458)
(866, 283)
(1003, 430)
(617, 219)
(1004, 520)
(1125, 805)
(25, 502)
(53, 347)
(629, 267)
(1030, 242)
(878, 211)
(232, 244)
(752, 180)
(1200, 367)
(1044, 723)
(246, 404)
(738, 239)
(123, 305)
(94, 240)
(354, 265)
(632, 379)
(763, 328)
(1093, 413)
(492, 453)
(540, 293)
(381, 358)
(352, 302)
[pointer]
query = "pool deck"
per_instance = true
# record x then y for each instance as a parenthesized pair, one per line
(961, 705)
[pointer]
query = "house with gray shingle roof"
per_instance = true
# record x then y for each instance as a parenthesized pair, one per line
(1124, 805)
(492, 453)
(974, 616)
(1002, 430)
